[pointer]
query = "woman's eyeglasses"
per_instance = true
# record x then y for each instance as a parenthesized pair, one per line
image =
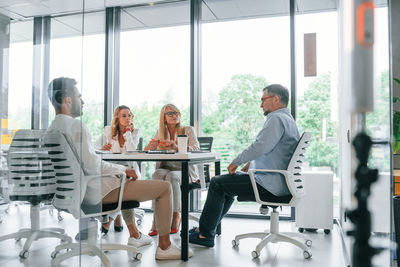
(124, 116)
(171, 113)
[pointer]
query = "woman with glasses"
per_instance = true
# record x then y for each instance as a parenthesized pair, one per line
(120, 137)
(166, 139)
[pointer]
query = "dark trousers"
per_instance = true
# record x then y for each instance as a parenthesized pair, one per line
(221, 193)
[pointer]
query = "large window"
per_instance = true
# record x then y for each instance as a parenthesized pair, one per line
(20, 75)
(81, 57)
(239, 58)
(155, 67)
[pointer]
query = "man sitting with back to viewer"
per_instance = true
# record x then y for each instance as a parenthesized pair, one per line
(272, 149)
(68, 104)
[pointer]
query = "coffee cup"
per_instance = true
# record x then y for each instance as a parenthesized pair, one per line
(182, 143)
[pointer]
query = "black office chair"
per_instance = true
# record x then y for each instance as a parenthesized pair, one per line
(204, 172)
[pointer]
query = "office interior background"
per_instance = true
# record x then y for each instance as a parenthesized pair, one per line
(211, 58)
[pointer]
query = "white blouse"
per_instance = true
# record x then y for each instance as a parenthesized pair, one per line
(131, 143)
(193, 144)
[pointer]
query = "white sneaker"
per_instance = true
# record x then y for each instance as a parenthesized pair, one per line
(171, 253)
(143, 240)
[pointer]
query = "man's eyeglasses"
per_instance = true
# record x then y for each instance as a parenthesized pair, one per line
(265, 98)
(171, 113)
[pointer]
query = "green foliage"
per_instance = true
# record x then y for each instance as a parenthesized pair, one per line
(380, 116)
(93, 118)
(238, 117)
(314, 110)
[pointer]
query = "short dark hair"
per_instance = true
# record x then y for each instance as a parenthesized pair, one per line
(279, 90)
(60, 88)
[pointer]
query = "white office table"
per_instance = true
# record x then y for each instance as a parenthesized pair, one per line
(185, 159)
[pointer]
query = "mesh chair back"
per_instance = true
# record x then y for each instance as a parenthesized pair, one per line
(71, 186)
(295, 179)
(205, 143)
(31, 175)
(140, 144)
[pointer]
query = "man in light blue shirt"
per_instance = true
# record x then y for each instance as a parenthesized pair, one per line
(272, 149)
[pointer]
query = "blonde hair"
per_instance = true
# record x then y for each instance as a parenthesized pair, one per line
(163, 128)
(115, 131)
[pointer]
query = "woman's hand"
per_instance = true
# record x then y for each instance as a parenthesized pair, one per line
(152, 145)
(168, 144)
(107, 146)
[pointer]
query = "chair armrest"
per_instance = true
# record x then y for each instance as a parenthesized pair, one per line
(87, 178)
(255, 189)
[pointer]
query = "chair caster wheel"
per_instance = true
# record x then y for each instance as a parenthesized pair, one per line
(54, 254)
(301, 230)
(24, 254)
(17, 239)
(255, 254)
(327, 231)
(138, 256)
(51, 212)
(235, 243)
(308, 243)
(306, 254)
(60, 218)
(139, 222)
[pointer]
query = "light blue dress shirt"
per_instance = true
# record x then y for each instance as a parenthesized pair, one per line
(272, 149)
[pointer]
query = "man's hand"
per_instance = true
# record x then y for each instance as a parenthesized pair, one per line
(232, 168)
(246, 167)
(131, 173)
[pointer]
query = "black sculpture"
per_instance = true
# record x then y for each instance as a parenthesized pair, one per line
(361, 217)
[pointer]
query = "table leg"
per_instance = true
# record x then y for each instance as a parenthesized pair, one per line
(185, 211)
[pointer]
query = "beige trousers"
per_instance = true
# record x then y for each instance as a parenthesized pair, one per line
(144, 190)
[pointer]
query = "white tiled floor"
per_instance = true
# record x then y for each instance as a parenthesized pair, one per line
(326, 249)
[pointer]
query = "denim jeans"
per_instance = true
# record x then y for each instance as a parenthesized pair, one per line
(221, 193)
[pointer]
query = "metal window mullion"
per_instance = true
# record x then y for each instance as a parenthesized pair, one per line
(195, 64)
(116, 60)
(292, 59)
(46, 71)
(36, 72)
(292, 73)
(4, 69)
(108, 80)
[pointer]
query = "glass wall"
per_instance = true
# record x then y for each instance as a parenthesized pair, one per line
(317, 97)
(378, 127)
(240, 56)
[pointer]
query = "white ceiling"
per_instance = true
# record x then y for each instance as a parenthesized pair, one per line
(137, 14)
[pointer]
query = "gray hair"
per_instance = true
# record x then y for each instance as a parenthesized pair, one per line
(279, 90)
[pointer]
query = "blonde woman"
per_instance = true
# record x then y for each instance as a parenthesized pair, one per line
(166, 138)
(120, 137)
